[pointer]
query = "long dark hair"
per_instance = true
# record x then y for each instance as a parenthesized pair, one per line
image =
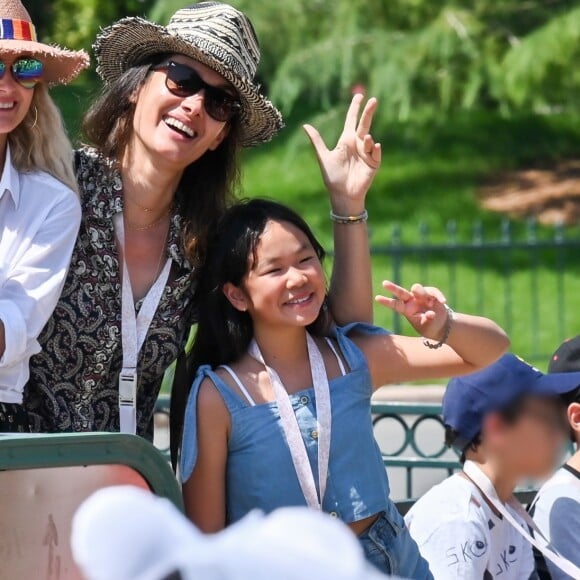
(223, 332)
(207, 185)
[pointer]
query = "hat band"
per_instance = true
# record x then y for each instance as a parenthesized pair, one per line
(12, 29)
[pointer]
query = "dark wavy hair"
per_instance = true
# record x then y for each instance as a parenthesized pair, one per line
(207, 186)
(223, 332)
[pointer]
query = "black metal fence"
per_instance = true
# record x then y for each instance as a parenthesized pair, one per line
(525, 277)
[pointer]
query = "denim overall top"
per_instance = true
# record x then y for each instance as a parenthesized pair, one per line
(260, 472)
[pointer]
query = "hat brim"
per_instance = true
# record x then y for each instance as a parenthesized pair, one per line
(556, 383)
(60, 65)
(132, 41)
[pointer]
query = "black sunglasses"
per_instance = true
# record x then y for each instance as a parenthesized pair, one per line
(183, 81)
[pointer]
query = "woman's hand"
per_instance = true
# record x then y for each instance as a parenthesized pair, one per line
(349, 169)
(423, 306)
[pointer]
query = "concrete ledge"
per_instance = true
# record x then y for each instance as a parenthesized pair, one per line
(410, 394)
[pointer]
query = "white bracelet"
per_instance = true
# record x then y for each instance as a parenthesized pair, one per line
(350, 219)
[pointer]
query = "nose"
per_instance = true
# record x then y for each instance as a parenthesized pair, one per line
(7, 82)
(194, 104)
(296, 278)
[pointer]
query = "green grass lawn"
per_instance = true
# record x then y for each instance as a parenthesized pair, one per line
(429, 176)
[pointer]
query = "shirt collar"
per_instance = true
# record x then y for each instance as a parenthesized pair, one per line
(10, 180)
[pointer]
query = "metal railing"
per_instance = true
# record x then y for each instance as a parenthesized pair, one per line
(524, 277)
(411, 454)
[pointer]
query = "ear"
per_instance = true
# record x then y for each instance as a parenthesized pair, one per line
(219, 138)
(492, 427)
(573, 413)
(236, 297)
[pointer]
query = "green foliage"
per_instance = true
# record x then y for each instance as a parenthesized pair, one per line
(432, 59)
(539, 70)
(75, 23)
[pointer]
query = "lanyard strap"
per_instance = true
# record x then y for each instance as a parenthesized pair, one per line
(539, 541)
(292, 430)
(134, 329)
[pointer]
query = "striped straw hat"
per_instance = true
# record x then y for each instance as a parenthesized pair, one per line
(212, 33)
(18, 36)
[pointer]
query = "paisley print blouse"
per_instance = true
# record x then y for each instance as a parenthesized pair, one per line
(73, 382)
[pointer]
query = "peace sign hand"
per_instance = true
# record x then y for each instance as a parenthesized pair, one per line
(349, 169)
(423, 306)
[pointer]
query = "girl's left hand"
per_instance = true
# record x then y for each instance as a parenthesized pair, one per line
(422, 306)
(349, 169)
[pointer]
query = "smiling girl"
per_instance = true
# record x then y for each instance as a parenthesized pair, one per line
(279, 413)
(39, 211)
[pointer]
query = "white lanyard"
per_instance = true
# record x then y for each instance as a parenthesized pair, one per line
(540, 542)
(134, 329)
(292, 430)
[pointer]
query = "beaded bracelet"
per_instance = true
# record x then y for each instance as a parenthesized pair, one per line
(446, 331)
(350, 219)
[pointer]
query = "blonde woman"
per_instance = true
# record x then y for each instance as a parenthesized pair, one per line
(39, 208)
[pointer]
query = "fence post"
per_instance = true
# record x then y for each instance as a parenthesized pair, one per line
(423, 253)
(452, 260)
(478, 250)
(397, 274)
(533, 244)
(506, 239)
(560, 273)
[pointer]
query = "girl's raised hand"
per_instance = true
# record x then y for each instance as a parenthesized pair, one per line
(348, 169)
(423, 306)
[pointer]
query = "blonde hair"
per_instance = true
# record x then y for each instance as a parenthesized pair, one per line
(40, 142)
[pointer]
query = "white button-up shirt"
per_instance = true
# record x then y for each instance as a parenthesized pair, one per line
(39, 222)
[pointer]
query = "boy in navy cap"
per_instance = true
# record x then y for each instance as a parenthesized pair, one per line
(508, 424)
(556, 509)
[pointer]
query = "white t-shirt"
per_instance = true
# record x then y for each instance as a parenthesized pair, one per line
(461, 537)
(557, 513)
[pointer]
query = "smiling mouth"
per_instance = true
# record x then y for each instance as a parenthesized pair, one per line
(179, 127)
(299, 301)
(10, 105)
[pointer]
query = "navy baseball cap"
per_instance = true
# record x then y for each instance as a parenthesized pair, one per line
(469, 399)
(567, 358)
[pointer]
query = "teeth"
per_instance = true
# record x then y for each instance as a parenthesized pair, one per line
(300, 300)
(180, 126)
(7, 105)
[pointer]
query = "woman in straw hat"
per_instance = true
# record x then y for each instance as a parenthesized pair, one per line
(39, 211)
(178, 104)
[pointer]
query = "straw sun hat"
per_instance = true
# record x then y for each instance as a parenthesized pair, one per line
(18, 36)
(214, 34)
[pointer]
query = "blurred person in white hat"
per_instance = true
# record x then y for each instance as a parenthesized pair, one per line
(179, 103)
(39, 209)
(124, 533)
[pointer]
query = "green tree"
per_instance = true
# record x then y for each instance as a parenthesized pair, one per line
(75, 23)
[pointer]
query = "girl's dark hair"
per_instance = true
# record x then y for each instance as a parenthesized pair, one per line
(207, 186)
(223, 332)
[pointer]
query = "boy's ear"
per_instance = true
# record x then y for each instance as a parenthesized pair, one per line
(236, 297)
(573, 413)
(492, 427)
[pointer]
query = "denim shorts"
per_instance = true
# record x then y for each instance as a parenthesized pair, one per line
(388, 545)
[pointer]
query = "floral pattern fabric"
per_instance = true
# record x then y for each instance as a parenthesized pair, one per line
(73, 382)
